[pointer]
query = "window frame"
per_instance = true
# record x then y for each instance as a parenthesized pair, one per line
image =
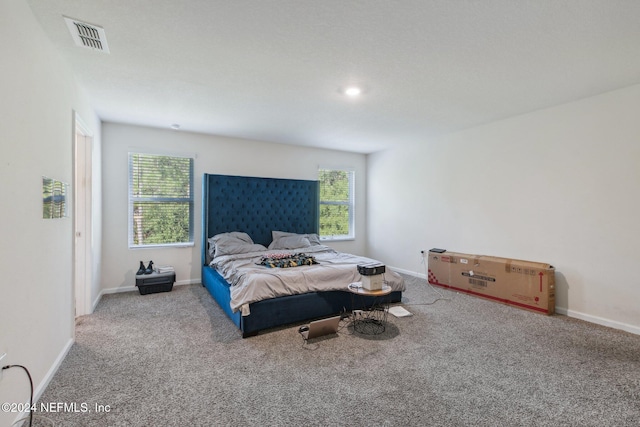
(132, 200)
(350, 203)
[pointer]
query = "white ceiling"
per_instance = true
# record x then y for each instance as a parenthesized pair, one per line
(273, 70)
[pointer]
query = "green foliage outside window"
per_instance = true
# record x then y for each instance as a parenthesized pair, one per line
(335, 203)
(161, 199)
(160, 223)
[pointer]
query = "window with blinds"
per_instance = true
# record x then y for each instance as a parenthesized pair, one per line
(160, 200)
(336, 204)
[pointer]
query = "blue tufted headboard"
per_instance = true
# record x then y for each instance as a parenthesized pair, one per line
(257, 206)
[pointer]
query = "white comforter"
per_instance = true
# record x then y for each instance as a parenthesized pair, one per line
(251, 282)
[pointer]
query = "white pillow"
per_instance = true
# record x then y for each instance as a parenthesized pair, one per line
(295, 241)
(314, 240)
(234, 242)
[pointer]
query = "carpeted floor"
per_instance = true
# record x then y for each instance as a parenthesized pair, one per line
(174, 359)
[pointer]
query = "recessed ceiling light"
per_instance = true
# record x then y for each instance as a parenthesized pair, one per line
(352, 91)
(175, 126)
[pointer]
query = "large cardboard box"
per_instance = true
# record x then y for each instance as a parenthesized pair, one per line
(525, 284)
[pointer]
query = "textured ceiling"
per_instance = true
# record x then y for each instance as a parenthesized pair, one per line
(273, 70)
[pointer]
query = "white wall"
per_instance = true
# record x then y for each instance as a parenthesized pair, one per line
(559, 185)
(214, 154)
(39, 95)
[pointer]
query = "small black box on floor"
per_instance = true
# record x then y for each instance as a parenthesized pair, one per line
(371, 269)
(155, 282)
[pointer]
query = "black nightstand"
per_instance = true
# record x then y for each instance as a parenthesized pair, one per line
(155, 282)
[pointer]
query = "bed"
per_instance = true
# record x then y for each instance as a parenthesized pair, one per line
(236, 206)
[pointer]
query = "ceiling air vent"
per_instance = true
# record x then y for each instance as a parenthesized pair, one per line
(87, 35)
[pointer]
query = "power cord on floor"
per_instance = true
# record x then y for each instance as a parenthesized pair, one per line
(37, 417)
(345, 321)
(30, 417)
(441, 296)
(305, 344)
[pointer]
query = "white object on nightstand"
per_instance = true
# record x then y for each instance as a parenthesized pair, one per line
(372, 283)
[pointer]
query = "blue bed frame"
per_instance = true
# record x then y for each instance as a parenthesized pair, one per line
(257, 206)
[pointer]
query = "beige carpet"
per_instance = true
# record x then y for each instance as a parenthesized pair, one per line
(174, 359)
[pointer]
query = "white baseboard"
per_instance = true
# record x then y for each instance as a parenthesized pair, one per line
(40, 388)
(118, 290)
(561, 310)
(52, 371)
(95, 303)
(133, 288)
(599, 320)
(189, 282)
(408, 272)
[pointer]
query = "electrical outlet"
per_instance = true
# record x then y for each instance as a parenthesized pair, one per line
(2, 356)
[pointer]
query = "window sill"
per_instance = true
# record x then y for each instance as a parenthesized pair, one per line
(161, 246)
(337, 239)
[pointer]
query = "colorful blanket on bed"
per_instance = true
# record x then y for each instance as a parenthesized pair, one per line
(286, 260)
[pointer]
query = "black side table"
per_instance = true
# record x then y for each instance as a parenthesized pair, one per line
(372, 318)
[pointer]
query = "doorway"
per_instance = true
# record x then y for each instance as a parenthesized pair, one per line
(82, 261)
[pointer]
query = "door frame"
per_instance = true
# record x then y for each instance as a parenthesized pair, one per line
(82, 214)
